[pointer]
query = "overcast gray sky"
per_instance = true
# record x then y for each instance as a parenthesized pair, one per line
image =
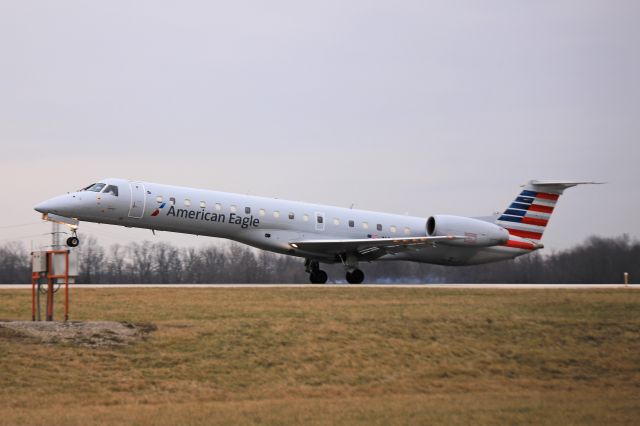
(400, 106)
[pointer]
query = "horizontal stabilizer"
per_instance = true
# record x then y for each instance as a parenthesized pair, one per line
(556, 186)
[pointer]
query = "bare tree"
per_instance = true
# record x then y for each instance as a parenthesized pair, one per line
(91, 261)
(15, 265)
(142, 263)
(597, 260)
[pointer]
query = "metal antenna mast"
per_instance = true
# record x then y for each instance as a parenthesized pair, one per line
(55, 236)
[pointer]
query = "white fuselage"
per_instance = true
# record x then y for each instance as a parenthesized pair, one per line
(266, 223)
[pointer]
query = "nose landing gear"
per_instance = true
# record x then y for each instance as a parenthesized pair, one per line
(73, 240)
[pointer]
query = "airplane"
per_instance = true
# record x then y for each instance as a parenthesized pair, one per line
(317, 233)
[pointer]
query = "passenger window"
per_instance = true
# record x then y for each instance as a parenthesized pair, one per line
(218, 206)
(261, 212)
(379, 227)
(393, 229)
(336, 221)
(305, 217)
(111, 189)
(172, 200)
(365, 225)
(233, 208)
(407, 231)
(291, 215)
(276, 214)
(351, 224)
(203, 205)
(187, 202)
(320, 219)
(247, 210)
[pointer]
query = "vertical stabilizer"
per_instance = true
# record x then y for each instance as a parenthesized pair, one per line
(528, 215)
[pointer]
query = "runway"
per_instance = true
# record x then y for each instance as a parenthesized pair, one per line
(316, 286)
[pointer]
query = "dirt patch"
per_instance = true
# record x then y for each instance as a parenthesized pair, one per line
(80, 333)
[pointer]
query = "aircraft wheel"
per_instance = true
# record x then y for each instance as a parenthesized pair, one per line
(318, 277)
(73, 241)
(355, 277)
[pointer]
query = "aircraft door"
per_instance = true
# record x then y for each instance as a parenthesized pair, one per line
(138, 200)
(319, 221)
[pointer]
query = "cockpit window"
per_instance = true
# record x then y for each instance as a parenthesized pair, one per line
(111, 189)
(96, 187)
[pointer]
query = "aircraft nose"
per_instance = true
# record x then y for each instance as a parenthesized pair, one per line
(43, 207)
(52, 205)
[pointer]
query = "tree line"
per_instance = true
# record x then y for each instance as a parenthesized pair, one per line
(596, 260)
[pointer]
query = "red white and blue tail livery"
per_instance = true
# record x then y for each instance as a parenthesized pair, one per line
(527, 217)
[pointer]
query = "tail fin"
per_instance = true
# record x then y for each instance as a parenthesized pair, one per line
(528, 215)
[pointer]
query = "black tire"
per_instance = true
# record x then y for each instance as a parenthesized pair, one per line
(318, 277)
(322, 277)
(355, 277)
(73, 241)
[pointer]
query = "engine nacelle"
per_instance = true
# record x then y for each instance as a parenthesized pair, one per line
(478, 232)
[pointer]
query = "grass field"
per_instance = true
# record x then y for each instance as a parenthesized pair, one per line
(334, 356)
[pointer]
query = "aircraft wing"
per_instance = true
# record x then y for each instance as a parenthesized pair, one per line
(369, 248)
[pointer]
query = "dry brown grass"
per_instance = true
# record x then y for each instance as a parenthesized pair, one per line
(334, 355)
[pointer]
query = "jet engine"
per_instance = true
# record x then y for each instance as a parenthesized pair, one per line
(477, 232)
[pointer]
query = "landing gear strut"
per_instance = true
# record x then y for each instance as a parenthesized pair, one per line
(73, 240)
(316, 275)
(354, 274)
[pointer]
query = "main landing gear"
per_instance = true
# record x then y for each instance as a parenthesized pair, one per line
(355, 277)
(354, 274)
(316, 275)
(73, 240)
